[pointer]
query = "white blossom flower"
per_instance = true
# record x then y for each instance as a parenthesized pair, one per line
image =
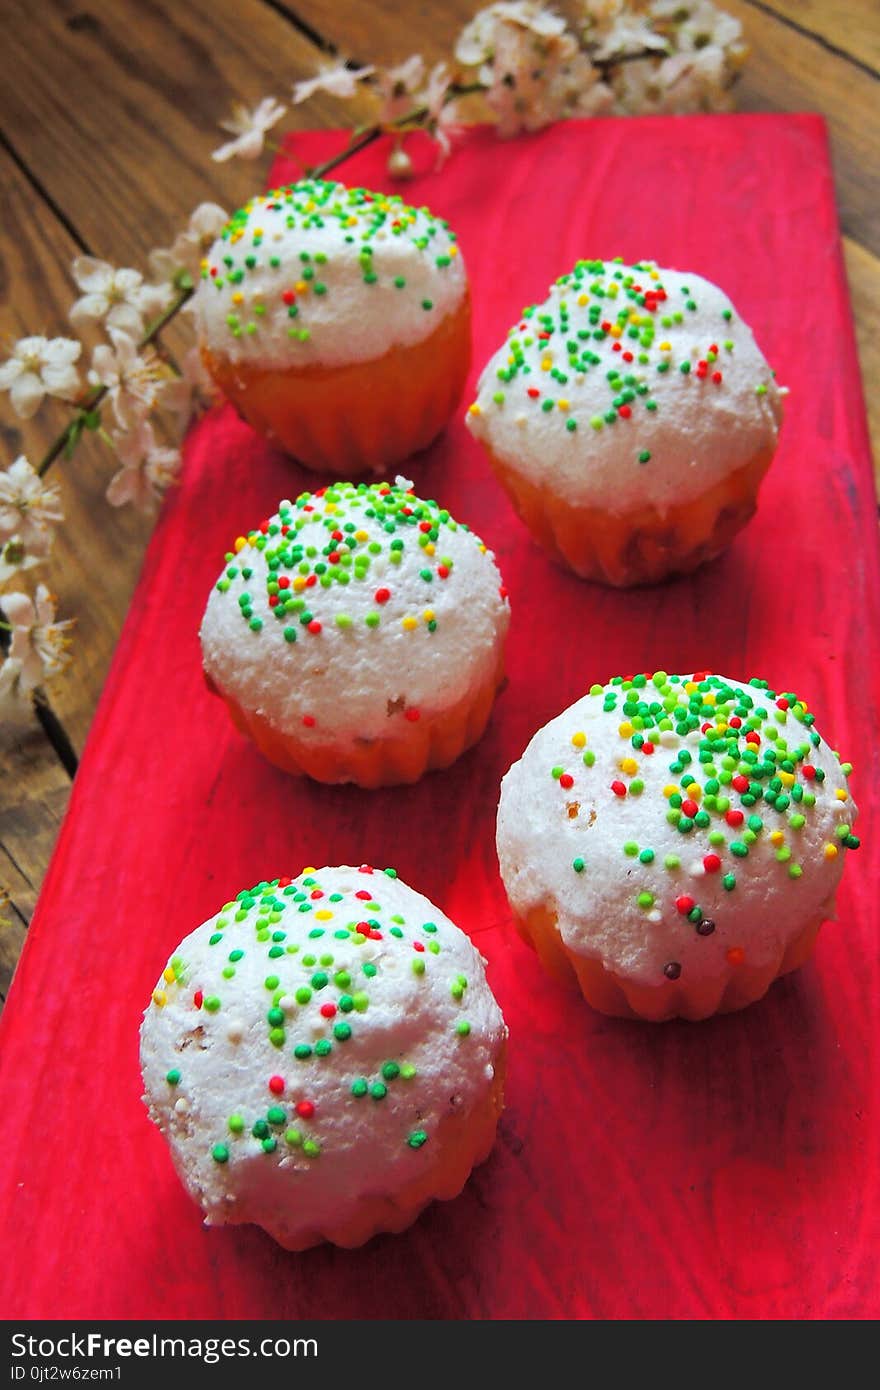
(477, 41)
(118, 298)
(40, 367)
(337, 79)
(185, 255)
(616, 30)
(39, 644)
(184, 394)
(397, 87)
(147, 468)
(29, 508)
(249, 128)
(132, 379)
(15, 558)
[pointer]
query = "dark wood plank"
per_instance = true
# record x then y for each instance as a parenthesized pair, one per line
(863, 273)
(113, 106)
(849, 26)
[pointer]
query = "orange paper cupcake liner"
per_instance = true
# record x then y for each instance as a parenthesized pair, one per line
(460, 1144)
(404, 754)
(359, 418)
(610, 993)
(641, 546)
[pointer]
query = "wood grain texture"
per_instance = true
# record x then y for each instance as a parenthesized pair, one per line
(863, 274)
(720, 1171)
(849, 26)
(127, 97)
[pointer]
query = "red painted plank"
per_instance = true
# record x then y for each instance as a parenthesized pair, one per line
(726, 1169)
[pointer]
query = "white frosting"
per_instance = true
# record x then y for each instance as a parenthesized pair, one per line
(700, 431)
(444, 1023)
(298, 312)
(354, 681)
(599, 915)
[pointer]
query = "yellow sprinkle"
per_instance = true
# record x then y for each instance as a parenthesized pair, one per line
(655, 275)
(301, 286)
(625, 729)
(482, 548)
(709, 698)
(841, 794)
(628, 765)
(299, 583)
(721, 726)
(430, 548)
(830, 851)
(665, 347)
(428, 615)
(511, 360)
(361, 535)
(240, 544)
(777, 838)
(563, 405)
(634, 317)
(616, 330)
(238, 297)
(690, 687)
(579, 739)
(330, 507)
(612, 290)
(786, 778)
(324, 915)
(474, 409)
(159, 998)
(168, 974)
(409, 623)
(695, 792)
(258, 231)
(671, 789)
(311, 205)
(351, 221)
(546, 363)
(453, 251)
(203, 263)
(310, 869)
(583, 299)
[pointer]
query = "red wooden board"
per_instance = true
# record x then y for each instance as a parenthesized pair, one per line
(724, 1169)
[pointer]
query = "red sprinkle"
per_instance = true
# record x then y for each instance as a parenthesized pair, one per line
(412, 714)
(647, 747)
(328, 1010)
(309, 721)
(305, 1109)
(418, 946)
(711, 863)
(689, 808)
(782, 703)
(734, 817)
(685, 904)
(382, 595)
(741, 783)
(363, 894)
(197, 998)
(288, 296)
(276, 1085)
(284, 582)
(534, 392)
(442, 572)
(625, 411)
(311, 581)
(809, 771)
(317, 893)
(314, 626)
(566, 780)
(735, 722)
(617, 787)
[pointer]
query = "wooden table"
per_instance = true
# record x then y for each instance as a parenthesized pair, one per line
(109, 114)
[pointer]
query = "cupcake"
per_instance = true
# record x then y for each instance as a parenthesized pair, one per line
(337, 322)
(358, 635)
(324, 1057)
(672, 844)
(630, 418)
